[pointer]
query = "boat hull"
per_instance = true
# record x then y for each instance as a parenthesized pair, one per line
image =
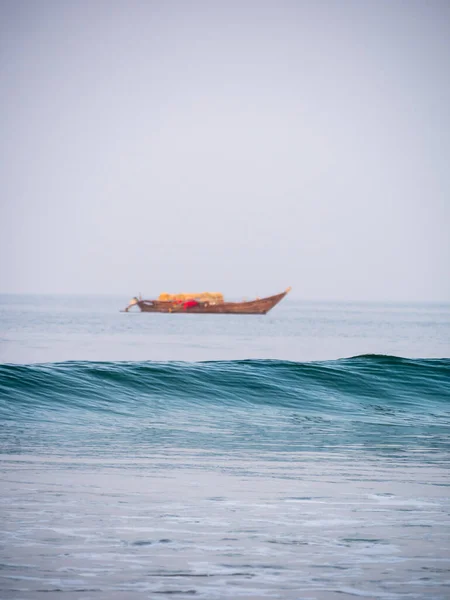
(260, 306)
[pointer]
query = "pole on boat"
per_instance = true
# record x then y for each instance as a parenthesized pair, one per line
(132, 302)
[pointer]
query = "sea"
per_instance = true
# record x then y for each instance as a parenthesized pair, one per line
(302, 455)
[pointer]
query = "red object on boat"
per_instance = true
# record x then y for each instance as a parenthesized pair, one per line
(190, 304)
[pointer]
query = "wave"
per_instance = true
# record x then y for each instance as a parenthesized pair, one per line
(393, 381)
(235, 401)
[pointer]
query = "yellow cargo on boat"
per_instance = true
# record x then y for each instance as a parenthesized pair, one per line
(213, 297)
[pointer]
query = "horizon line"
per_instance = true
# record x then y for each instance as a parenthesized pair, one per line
(291, 296)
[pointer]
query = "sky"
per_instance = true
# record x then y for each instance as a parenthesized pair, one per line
(234, 146)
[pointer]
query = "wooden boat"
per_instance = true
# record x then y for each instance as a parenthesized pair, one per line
(259, 306)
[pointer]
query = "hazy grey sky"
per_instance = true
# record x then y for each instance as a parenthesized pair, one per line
(239, 146)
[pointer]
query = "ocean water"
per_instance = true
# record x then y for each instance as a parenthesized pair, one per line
(302, 455)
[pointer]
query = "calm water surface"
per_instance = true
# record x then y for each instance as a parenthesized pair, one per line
(53, 329)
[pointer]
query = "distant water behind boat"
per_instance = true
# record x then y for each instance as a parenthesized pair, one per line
(302, 454)
(59, 328)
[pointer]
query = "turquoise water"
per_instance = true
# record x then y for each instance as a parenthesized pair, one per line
(302, 454)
